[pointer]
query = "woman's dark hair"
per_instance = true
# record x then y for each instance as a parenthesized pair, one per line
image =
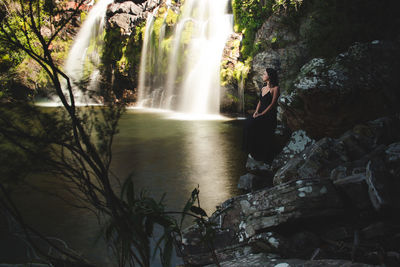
(273, 76)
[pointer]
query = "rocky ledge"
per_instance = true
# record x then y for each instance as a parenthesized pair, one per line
(127, 14)
(328, 202)
(331, 95)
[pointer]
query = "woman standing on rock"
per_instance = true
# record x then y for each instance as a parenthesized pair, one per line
(259, 129)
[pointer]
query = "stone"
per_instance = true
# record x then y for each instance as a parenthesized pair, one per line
(330, 96)
(251, 182)
(378, 184)
(124, 7)
(258, 167)
(392, 160)
(123, 21)
(338, 158)
(356, 190)
(297, 143)
(271, 260)
(316, 161)
(281, 204)
(240, 219)
(281, 49)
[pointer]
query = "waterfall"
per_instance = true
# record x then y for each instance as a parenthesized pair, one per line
(190, 81)
(78, 54)
(145, 57)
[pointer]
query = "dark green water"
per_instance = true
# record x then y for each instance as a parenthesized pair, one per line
(165, 155)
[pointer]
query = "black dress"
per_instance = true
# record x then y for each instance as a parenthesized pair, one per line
(259, 131)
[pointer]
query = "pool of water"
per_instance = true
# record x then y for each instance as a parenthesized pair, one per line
(165, 153)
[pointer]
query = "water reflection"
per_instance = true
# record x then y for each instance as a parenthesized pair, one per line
(207, 162)
(165, 156)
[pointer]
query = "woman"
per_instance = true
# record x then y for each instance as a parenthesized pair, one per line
(259, 129)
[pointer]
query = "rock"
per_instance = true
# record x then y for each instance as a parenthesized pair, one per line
(298, 142)
(330, 96)
(128, 14)
(123, 21)
(378, 184)
(196, 252)
(270, 260)
(336, 157)
(231, 51)
(263, 60)
(269, 242)
(258, 167)
(124, 7)
(316, 161)
(392, 160)
(281, 49)
(300, 245)
(251, 182)
(240, 219)
(281, 204)
(356, 189)
(231, 97)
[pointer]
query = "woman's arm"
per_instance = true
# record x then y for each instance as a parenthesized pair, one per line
(257, 108)
(275, 94)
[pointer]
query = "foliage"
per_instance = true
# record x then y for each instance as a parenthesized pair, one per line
(74, 144)
(249, 17)
(286, 4)
(331, 26)
(131, 241)
(27, 73)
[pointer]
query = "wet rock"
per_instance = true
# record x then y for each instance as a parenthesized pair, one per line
(251, 182)
(329, 97)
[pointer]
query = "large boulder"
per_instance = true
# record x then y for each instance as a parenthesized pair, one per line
(281, 49)
(330, 96)
(239, 220)
(124, 7)
(124, 21)
(271, 260)
(334, 198)
(328, 157)
(126, 15)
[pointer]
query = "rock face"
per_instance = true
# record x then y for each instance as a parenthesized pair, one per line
(281, 48)
(332, 199)
(127, 14)
(231, 100)
(330, 96)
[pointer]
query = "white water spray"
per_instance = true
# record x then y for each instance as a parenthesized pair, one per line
(192, 81)
(91, 28)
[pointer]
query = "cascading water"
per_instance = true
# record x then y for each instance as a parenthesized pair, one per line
(78, 55)
(190, 81)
